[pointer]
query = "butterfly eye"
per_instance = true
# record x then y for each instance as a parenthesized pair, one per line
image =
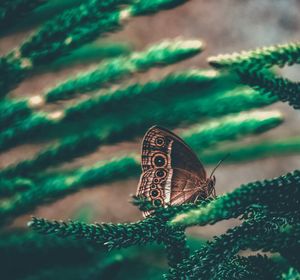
(154, 193)
(157, 202)
(159, 141)
(159, 161)
(160, 173)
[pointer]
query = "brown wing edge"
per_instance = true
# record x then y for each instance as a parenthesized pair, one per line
(179, 140)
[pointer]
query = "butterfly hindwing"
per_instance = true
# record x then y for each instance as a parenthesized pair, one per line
(163, 149)
(186, 187)
(170, 186)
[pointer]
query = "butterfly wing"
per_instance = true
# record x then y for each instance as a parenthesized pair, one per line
(163, 149)
(163, 186)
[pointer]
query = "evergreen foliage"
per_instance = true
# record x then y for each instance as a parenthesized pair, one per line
(106, 110)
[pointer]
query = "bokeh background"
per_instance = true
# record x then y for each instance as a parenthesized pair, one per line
(225, 26)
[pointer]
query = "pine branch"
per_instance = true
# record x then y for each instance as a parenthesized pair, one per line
(152, 229)
(175, 246)
(280, 55)
(78, 25)
(266, 83)
(29, 127)
(13, 185)
(262, 149)
(12, 73)
(231, 127)
(60, 185)
(258, 232)
(169, 112)
(11, 10)
(292, 274)
(132, 95)
(67, 149)
(165, 53)
(199, 137)
(56, 37)
(257, 267)
(66, 32)
(111, 235)
(111, 99)
(89, 53)
(12, 111)
(233, 204)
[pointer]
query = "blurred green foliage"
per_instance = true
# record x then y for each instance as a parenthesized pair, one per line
(209, 105)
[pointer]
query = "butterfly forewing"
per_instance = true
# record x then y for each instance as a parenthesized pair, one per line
(163, 149)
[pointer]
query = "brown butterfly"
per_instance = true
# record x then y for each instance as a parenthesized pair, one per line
(171, 172)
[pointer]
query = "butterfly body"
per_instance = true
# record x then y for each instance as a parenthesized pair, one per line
(171, 172)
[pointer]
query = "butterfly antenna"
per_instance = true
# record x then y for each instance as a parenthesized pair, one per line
(219, 163)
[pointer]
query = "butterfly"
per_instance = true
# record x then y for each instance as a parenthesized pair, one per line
(171, 172)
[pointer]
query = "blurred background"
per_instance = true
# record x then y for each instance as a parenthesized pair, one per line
(225, 26)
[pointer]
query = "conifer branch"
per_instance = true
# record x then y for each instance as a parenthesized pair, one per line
(253, 151)
(84, 23)
(258, 232)
(60, 34)
(11, 10)
(67, 149)
(164, 53)
(92, 52)
(292, 274)
(13, 185)
(70, 30)
(12, 111)
(60, 185)
(12, 73)
(231, 127)
(175, 245)
(199, 137)
(152, 229)
(112, 99)
(111, 235)
(29, 127)
(171, 85)
(266, 57)
(258, 267)
(233, 204)
(105, 103)
(266, 83)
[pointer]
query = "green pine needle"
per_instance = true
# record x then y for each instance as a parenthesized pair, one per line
(198, 136)
(267, 83)
(280, 55)
(258, 267)
(60, 185)
(233, 204)
(257, 232)
(165, 53)
(106, 73)
(254, 151)
(13, 185)
(10, 10)
(292, 274)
